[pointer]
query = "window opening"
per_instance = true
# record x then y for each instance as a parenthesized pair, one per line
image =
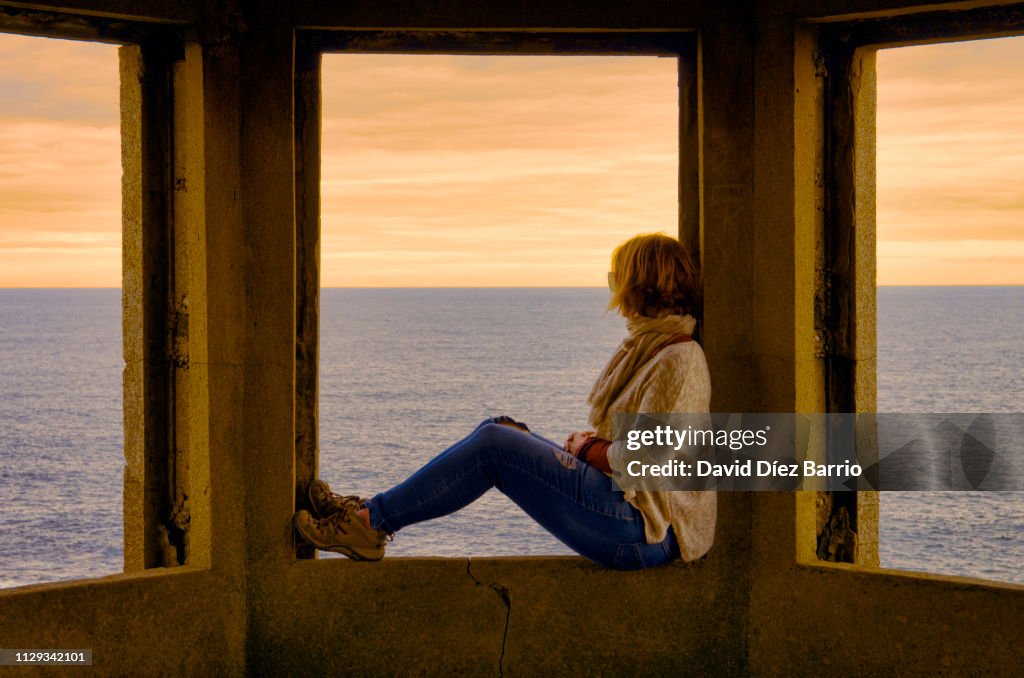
(469, 208)
(61, 425)
(950, 229)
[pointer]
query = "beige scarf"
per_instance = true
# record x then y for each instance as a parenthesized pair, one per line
(646, 337)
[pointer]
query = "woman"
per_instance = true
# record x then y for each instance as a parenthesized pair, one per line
(568, 489)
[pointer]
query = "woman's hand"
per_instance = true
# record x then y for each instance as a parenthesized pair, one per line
(575, 441)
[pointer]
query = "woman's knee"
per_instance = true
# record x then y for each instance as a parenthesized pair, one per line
(492, 441)
(488, 433)
(488, 422)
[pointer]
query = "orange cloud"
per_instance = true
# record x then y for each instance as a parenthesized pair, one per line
(447, 170)
(951, 163)
(492, 171)
(60, 164)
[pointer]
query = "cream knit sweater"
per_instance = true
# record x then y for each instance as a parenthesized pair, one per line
(676, 379)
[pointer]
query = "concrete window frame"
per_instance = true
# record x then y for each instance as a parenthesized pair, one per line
(312, 44)
(845, 304)
(160, 162)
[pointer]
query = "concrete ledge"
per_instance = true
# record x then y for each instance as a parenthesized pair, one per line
(898, 577)
(557, 615)
(865, 621)
(147, 623)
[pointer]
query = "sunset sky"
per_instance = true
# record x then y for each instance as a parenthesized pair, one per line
(516, 171)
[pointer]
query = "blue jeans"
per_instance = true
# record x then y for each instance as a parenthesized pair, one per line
(571, 499)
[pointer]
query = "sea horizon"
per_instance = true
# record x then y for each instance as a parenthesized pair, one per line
(504, 287)
(391, 400)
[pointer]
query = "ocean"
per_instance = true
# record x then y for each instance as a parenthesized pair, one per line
(407, 372)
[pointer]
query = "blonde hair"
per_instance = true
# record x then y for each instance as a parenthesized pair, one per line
(654, 276)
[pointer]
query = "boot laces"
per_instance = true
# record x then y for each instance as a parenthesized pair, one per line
(336, 521)
(345, 502)
(341, 505)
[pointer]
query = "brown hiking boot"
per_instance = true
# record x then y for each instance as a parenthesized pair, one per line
(325, 503)
(342, 532)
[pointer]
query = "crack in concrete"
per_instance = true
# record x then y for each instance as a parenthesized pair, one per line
(506, 598)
